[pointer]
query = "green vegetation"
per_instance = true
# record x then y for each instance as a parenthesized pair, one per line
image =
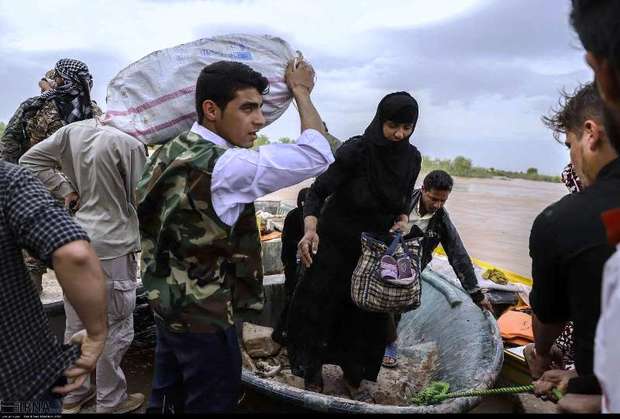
(263, 139)
(2, 127)
(260, 140)
(461, 166)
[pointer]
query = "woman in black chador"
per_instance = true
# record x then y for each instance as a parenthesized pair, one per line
(369, 186)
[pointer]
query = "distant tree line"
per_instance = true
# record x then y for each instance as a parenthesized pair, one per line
(461, 166)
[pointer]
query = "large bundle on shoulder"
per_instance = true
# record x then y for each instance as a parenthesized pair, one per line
(153, 98)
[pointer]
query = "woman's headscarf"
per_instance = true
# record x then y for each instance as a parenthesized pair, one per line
(391, 164)
(571, 179)
(73, 97)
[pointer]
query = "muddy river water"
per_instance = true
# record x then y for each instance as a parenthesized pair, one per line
(493, 216)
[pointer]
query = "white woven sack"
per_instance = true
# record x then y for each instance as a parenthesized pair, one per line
(153, 98)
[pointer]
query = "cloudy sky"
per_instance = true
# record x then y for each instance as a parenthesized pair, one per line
(483, 71)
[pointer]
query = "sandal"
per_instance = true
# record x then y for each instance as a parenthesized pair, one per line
(405, 273)
(390, 357)
(389, 268)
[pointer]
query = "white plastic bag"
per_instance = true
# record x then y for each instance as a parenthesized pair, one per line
(153, 98)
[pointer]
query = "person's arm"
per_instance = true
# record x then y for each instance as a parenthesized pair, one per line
(80, 276)
(411, 188)
(13, 141)
(545, 335)
(132, 162)
(46, 230)
(288, 254)
(548, 297)
(322, 187)
(300, 81)
(460, 261)
(45, 159)
(402, 220)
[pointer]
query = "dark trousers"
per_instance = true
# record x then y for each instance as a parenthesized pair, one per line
(392, 327)
(196, 372)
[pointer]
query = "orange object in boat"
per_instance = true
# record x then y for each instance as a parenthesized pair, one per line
(516, 327)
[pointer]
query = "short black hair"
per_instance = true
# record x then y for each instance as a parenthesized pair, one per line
(220, 82)
(597, 24)
(574, 109)
(438, 180)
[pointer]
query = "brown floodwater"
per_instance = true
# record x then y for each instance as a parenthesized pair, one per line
(493, 216)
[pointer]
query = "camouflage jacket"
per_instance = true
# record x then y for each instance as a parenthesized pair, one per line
(26, 129)
(13, 143)
(198, 271)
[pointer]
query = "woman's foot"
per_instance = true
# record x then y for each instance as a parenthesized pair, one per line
(390, 357)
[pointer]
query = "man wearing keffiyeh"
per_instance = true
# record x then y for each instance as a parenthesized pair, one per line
(68, 102)
(39, 117)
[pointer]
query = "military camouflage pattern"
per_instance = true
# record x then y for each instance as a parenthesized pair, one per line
(198, 272)
(29, 127)
(13, 143)
(47, 121)
(44, 123)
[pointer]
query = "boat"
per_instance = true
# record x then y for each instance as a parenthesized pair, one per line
(469, 342)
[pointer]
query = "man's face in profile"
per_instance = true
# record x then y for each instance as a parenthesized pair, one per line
(241, 119)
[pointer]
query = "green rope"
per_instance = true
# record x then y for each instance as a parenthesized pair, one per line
(437, 392)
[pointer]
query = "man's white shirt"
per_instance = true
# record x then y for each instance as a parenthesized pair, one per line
(241, 175)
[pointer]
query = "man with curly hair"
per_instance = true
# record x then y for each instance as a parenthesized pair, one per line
(568, 244)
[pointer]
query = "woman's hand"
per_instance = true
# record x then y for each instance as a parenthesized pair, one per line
(400, 224)
(309, 243)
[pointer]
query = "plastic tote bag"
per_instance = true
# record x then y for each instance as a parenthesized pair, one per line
(153, 98)
(374, 288)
